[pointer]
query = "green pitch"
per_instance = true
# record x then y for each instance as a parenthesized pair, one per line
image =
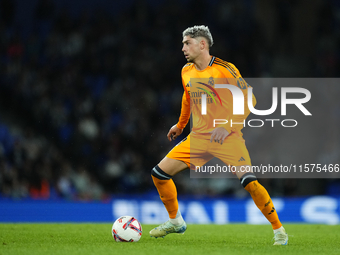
(69, 239)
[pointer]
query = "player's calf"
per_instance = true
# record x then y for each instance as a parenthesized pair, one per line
(168, 194)
(264, 203)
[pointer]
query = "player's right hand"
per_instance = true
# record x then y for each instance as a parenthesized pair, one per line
(174, 132)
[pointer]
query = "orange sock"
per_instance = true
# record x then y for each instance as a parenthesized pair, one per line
(168, 194)
(264, 203)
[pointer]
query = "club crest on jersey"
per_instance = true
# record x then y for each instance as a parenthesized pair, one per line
(211, 81)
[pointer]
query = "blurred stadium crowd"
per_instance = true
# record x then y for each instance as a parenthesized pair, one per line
(87, 99)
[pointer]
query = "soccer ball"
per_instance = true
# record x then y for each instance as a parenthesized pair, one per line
(126, 229)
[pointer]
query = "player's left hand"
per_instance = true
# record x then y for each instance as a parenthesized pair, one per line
(218, 135)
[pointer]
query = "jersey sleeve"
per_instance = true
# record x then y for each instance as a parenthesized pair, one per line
(186, 108)
(185, 112)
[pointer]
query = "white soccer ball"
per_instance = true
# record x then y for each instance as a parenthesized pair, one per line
(126, 229)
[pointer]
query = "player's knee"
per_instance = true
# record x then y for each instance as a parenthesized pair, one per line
(160, 174)
(247, 178)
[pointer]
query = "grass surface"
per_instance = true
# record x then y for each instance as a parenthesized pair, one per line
(69, 239)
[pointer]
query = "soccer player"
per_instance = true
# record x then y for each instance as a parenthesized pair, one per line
(207, 140)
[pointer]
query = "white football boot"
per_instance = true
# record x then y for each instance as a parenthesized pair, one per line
(168, 228)
(281, 237)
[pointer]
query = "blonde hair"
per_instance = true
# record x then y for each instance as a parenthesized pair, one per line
(197, 31)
